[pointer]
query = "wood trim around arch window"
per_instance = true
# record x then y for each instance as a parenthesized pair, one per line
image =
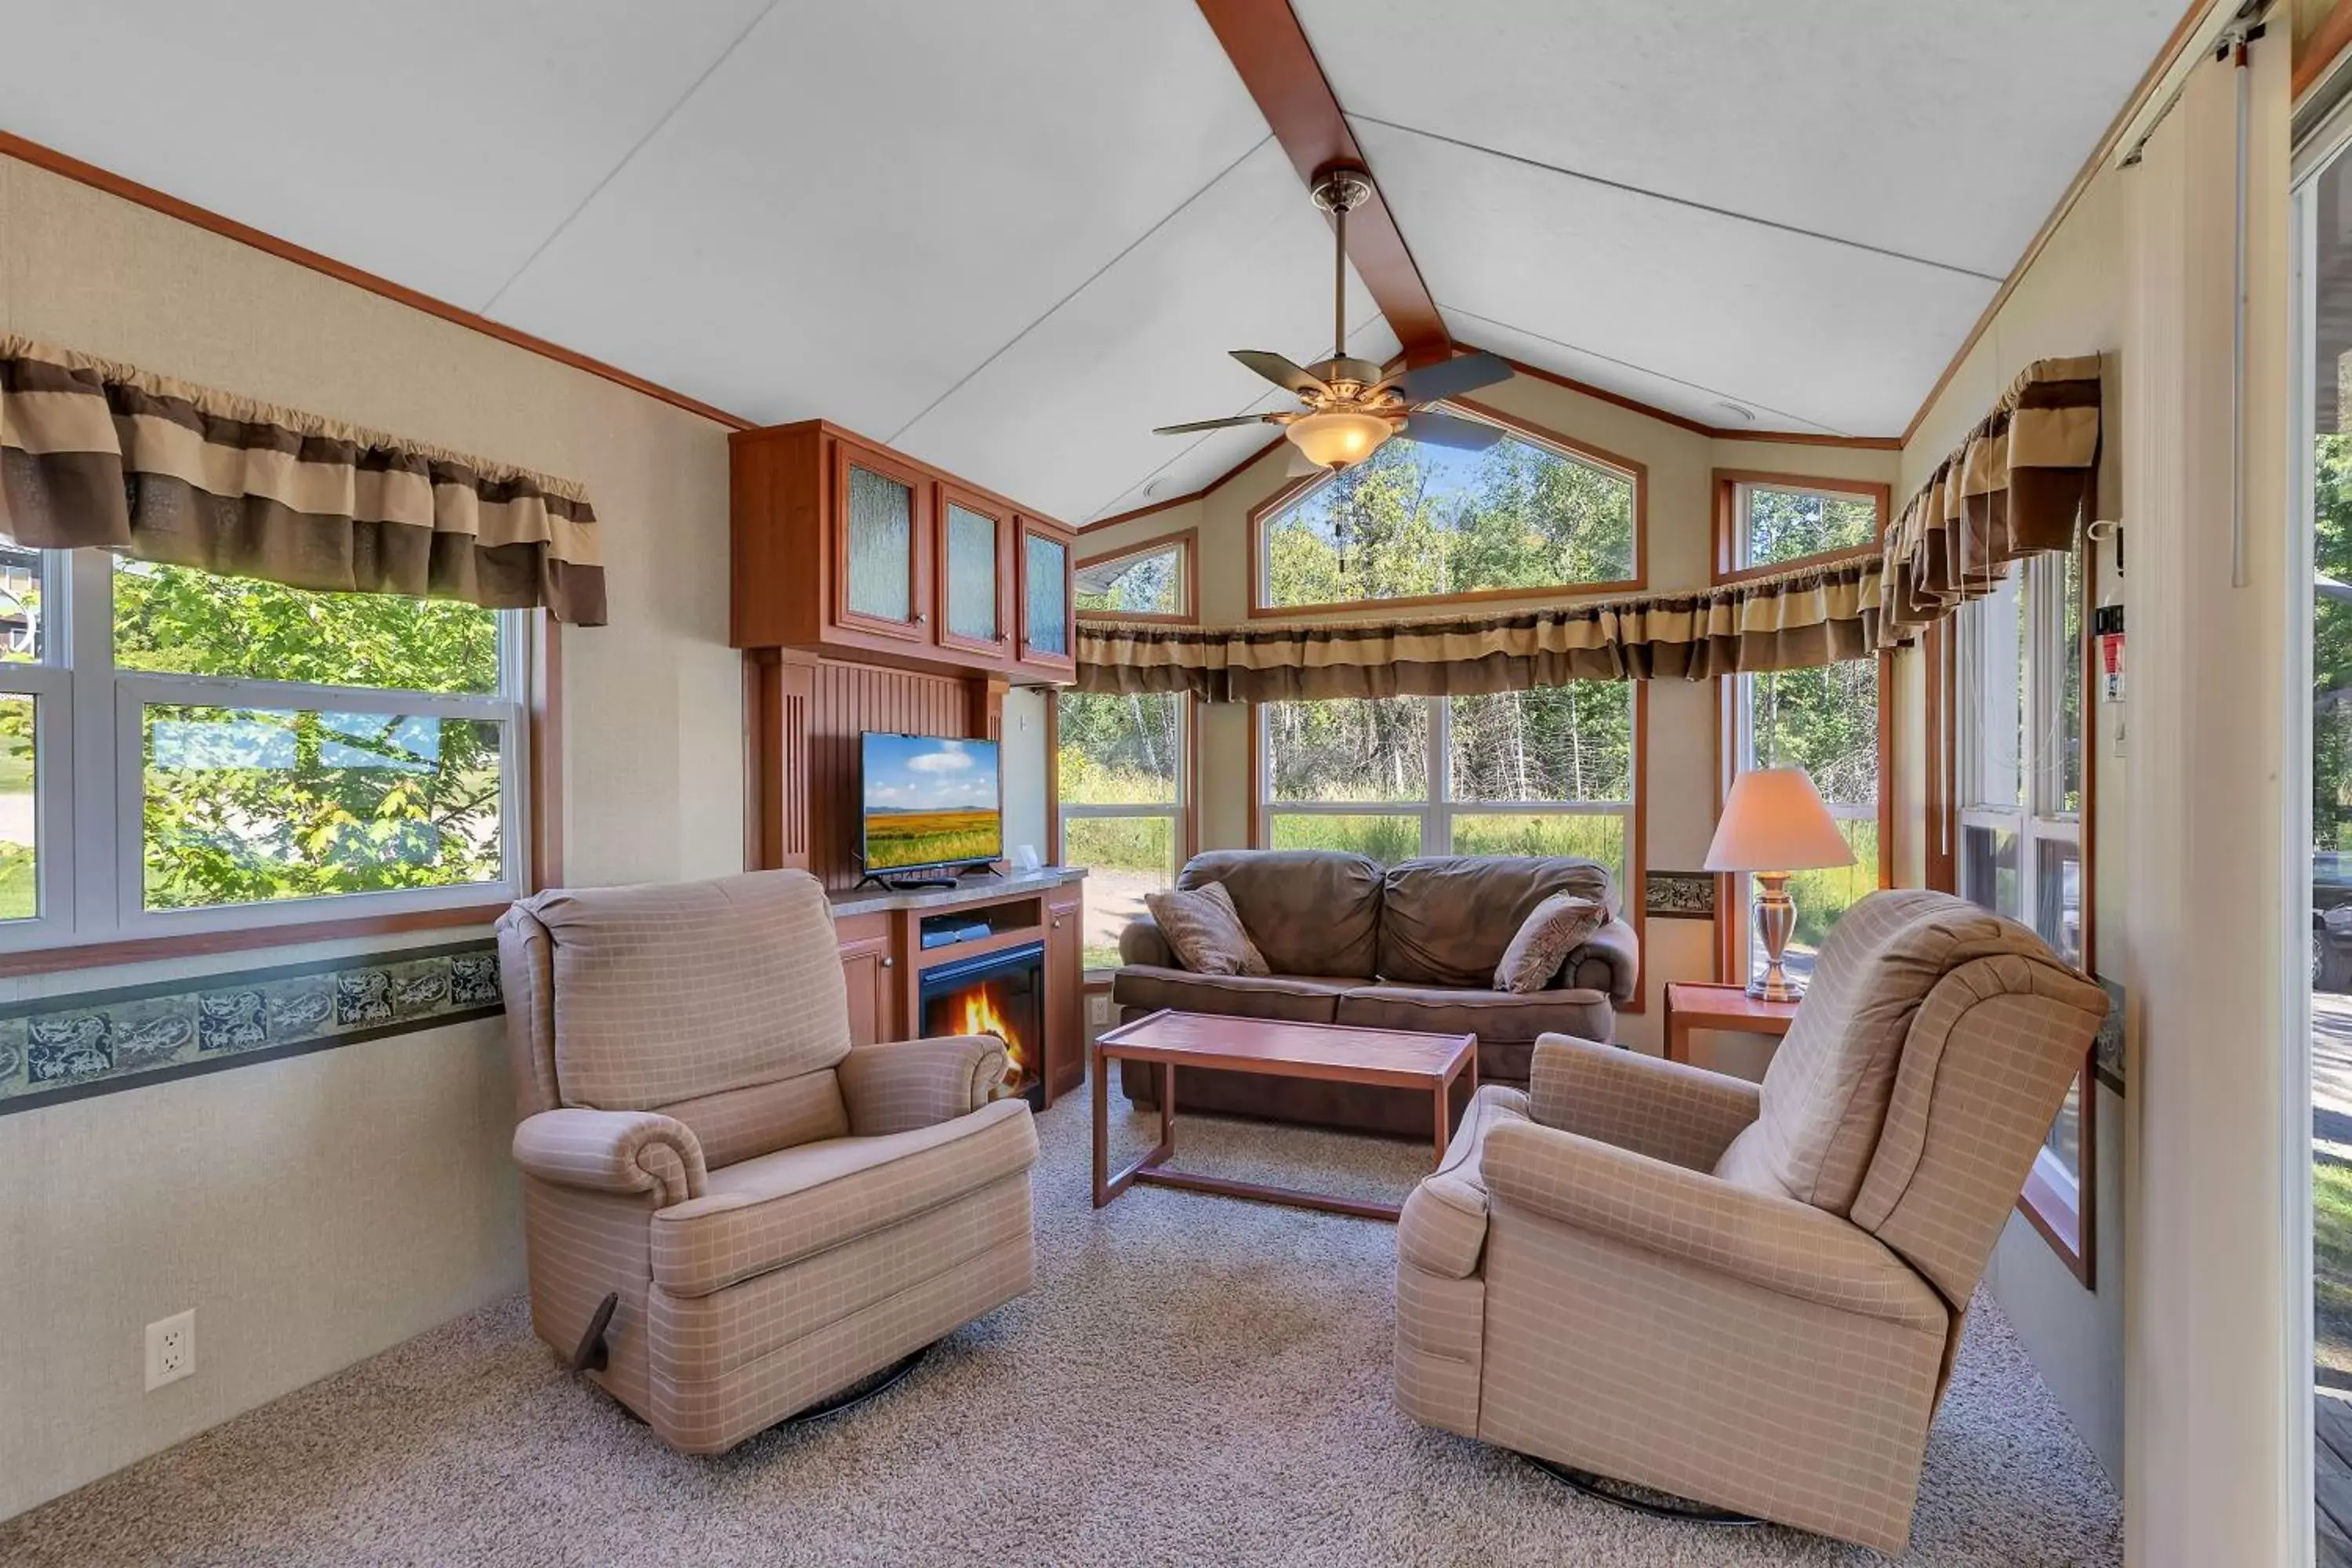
(1724, 527)
(1187, 541)
(1633, 468)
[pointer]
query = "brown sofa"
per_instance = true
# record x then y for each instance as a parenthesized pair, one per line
(1410, 947)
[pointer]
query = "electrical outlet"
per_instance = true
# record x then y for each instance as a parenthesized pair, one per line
(1099, 1011)
(171, 1349)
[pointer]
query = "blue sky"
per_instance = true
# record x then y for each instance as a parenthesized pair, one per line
(915, 773)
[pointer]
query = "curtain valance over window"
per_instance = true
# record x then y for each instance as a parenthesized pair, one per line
(1808, 616)
(2018, 485)
(106, 455)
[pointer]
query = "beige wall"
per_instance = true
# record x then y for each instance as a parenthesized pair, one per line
(316, 1210)
(2071, 301)
(1678, 750)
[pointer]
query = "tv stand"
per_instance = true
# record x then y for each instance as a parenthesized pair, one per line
(904, 884)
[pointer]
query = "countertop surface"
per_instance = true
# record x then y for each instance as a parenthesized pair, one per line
(871, 900)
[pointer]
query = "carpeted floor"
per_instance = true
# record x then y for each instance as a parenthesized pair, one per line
(1194, 1380)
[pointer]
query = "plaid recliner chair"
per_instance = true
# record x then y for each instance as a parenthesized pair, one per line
(778, 1215)
(1749, 1296)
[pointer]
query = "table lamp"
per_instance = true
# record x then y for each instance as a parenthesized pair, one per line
(1774, 823)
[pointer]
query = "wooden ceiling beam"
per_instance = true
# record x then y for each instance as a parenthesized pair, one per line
(1269, 49)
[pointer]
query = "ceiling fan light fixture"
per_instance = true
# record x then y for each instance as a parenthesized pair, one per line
(1339, 437)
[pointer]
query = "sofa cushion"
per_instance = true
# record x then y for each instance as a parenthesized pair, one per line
(676, 991)
(1445, 920)
(1497, 1017)
(795, 1203)
(1287, 998)
(1204, 931)
(1310, 911)
(1553, 929)
(1823, 1100)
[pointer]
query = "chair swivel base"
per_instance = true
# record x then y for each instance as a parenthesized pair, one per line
(872, 1385)
(1617, 1494)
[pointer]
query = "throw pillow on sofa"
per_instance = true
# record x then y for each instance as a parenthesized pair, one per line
(1553, 929)
(1206, 932)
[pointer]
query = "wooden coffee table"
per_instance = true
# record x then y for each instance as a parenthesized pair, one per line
(1333, 1053)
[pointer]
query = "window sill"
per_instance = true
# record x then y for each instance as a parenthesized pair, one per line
(2049, 1210)
(243, 939)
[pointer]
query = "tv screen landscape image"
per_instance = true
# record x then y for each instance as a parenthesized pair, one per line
(929, 801)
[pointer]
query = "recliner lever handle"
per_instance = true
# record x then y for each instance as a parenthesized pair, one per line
(592, 1354)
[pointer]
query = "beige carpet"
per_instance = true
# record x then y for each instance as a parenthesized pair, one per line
(1194, 1380)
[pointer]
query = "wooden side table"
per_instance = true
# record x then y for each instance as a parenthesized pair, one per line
(1694, 1005)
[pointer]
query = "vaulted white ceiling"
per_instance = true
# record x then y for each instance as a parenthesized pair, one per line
(1013, 236)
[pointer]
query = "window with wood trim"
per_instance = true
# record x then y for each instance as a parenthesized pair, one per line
(1123, 789)
(1773, 523)
(1153, 581)
(1547, 771)
(1830, 721)
(187, 753)
(1417, 523)
(2019, 842)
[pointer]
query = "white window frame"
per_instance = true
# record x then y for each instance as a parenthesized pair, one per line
(89, 773)
(1174, 813)
(1437, 813)
(2040, 817)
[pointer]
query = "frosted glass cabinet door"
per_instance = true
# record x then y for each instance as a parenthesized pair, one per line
(879, 546)
(1044, 598)
(971, 565)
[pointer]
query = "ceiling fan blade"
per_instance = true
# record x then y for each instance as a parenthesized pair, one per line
(1444, 430)
(1281, 371)
(1451, 378)
(1212, 424)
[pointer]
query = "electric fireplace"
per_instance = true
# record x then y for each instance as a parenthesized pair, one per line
(1001, 994)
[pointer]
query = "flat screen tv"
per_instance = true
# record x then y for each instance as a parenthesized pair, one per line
(928, 802)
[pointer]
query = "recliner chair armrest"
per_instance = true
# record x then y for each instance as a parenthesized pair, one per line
(1673, 1111)
(1774, 1243)
(1140, 941)
(907, 1084)
(1615, 945)
(613, 1152)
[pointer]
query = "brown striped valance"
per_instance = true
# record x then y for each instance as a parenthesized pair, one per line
(106, 455)
(1814, 615)
(2019, 484)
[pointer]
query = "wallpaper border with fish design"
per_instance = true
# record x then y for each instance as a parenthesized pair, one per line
(60, 1048)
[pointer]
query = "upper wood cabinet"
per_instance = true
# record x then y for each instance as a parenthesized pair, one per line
(846, 547)
(1048, 619)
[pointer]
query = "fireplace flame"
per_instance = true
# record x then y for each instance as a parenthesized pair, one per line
(977, 1011)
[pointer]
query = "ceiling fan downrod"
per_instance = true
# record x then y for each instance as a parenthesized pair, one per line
(1336, 189)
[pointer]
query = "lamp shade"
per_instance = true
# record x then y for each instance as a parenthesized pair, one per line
(1775, 821)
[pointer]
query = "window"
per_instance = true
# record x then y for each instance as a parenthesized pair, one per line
(1122, 776)
(1771, 522)
(1828, 721)
(183, 751)
(1415, 522)
(1152, 580)
(2018, 718)
(1547, 772)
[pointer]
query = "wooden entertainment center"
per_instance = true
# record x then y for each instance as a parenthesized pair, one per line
(871, 592)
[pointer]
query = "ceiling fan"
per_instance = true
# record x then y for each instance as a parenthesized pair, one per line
(1350, 409)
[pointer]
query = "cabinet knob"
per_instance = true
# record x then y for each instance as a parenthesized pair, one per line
(1057, 922)
(890, 964)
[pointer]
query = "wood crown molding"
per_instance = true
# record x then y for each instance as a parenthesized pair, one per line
(147, 197)
(1269, 49)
